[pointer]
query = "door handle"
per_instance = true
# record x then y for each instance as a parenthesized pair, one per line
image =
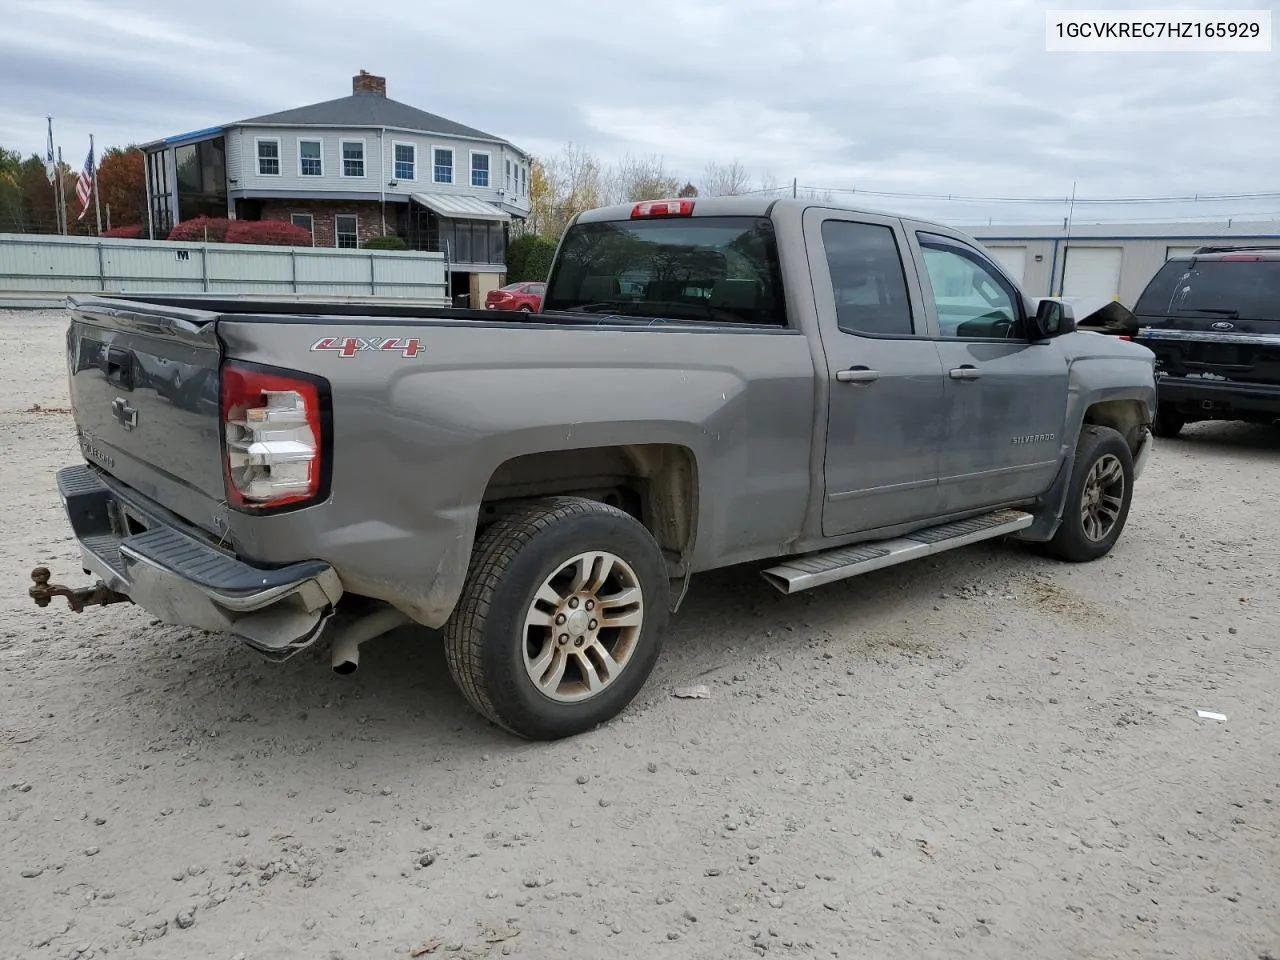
(858, 375)
(966, 372)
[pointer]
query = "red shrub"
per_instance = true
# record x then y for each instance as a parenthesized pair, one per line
(276, 233)
(200, 229)
(133, 232)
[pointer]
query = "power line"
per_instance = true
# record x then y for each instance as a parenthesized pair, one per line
(957, 198)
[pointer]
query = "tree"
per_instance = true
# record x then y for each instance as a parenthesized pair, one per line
(562, 186)
(541, 202)
(122, 185)
(40, 199)
(687, 191)
(529, 258)
(640, 178)
(727, 180)
(12, 201)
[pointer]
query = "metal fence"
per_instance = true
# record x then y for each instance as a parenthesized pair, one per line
(36, 265)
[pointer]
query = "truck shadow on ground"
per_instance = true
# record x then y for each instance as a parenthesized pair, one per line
(402, 696)
(1225, 438)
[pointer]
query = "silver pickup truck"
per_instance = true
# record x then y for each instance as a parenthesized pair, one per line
(711, 382)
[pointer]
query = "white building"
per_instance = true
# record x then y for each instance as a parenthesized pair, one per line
(1107, 261)
(350, 169)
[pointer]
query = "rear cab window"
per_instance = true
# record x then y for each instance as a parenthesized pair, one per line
(1245, 289)
(718, 269)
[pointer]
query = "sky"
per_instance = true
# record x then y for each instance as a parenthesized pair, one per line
(940, 97)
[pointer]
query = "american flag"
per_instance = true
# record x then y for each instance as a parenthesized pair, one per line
(84, 185)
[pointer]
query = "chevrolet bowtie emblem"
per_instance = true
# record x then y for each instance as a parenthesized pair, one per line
(125, 413)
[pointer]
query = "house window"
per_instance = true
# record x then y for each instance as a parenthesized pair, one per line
(305, 221)
(310, 161)
(406, 167)
(353, 158)
(443, 165)
(346, 231)
(269, 158)
(480, 170)
(508, 176)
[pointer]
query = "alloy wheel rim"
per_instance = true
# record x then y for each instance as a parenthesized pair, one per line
(1103, 498)
(583, 626)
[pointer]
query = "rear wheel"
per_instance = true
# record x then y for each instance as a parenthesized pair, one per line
(526, 309)
(1098, 497)
(561, 619)
(1169, 422)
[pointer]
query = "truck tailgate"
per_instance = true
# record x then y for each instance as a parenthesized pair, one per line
(144, 389)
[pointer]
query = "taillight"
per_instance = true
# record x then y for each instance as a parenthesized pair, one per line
(275, 431)
(1125, 336)
(662, 208)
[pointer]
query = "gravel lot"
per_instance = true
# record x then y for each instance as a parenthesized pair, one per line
(990, 755)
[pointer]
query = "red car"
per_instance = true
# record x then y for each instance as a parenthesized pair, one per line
(517, 296)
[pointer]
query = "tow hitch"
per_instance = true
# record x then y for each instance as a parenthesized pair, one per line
(98, 595)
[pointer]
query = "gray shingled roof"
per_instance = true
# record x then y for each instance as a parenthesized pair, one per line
(370, 110)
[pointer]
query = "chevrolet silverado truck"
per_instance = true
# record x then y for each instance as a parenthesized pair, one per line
(1212, 319)
(711, 382)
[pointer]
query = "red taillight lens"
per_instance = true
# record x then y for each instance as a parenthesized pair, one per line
(274, 431)
(1125, 336)
(662, 208)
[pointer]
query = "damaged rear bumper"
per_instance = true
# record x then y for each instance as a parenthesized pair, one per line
(141, 552)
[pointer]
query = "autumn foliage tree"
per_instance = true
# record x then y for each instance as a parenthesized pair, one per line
(122, 186)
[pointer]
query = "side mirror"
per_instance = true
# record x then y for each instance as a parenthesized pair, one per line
(1053, 318)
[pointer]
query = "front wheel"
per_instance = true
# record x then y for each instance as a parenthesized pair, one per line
(561, 619)
(1098, 497)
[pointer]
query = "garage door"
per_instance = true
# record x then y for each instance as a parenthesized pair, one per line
(1093, 272)
(1013, 259)
(1179, 251)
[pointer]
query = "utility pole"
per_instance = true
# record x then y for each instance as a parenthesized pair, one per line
(97, 200)
(795, 187)
(62, 197)
(1066, 252)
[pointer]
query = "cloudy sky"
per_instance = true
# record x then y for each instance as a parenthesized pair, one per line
(952, 97)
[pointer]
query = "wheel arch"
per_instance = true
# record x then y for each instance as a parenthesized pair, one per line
(657, 483)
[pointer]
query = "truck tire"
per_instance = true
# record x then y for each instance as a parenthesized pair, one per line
(1169, 422)
(1098, 497)
(561, 619)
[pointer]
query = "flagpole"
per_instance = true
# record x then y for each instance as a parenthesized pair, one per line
(97, 200)
(51, 171)
(63, 226)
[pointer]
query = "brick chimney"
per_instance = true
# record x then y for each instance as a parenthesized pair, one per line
(366, 82)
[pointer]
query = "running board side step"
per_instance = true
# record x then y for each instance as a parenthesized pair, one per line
(827, 566)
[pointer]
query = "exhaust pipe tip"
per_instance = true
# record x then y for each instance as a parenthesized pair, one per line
(345, 657)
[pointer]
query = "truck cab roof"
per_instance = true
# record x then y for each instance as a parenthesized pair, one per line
(745, 206)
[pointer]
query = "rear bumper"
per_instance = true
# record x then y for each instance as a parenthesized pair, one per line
(140, 551)
(1218, 398)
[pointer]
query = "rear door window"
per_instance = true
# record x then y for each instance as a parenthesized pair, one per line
(1247, 289)
(718, 269)
(868, 279)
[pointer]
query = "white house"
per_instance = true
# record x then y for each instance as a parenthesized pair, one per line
(351, 169)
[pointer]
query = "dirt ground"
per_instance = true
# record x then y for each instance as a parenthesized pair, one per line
(990, 755)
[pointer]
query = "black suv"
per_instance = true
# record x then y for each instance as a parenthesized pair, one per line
(1213, 321)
